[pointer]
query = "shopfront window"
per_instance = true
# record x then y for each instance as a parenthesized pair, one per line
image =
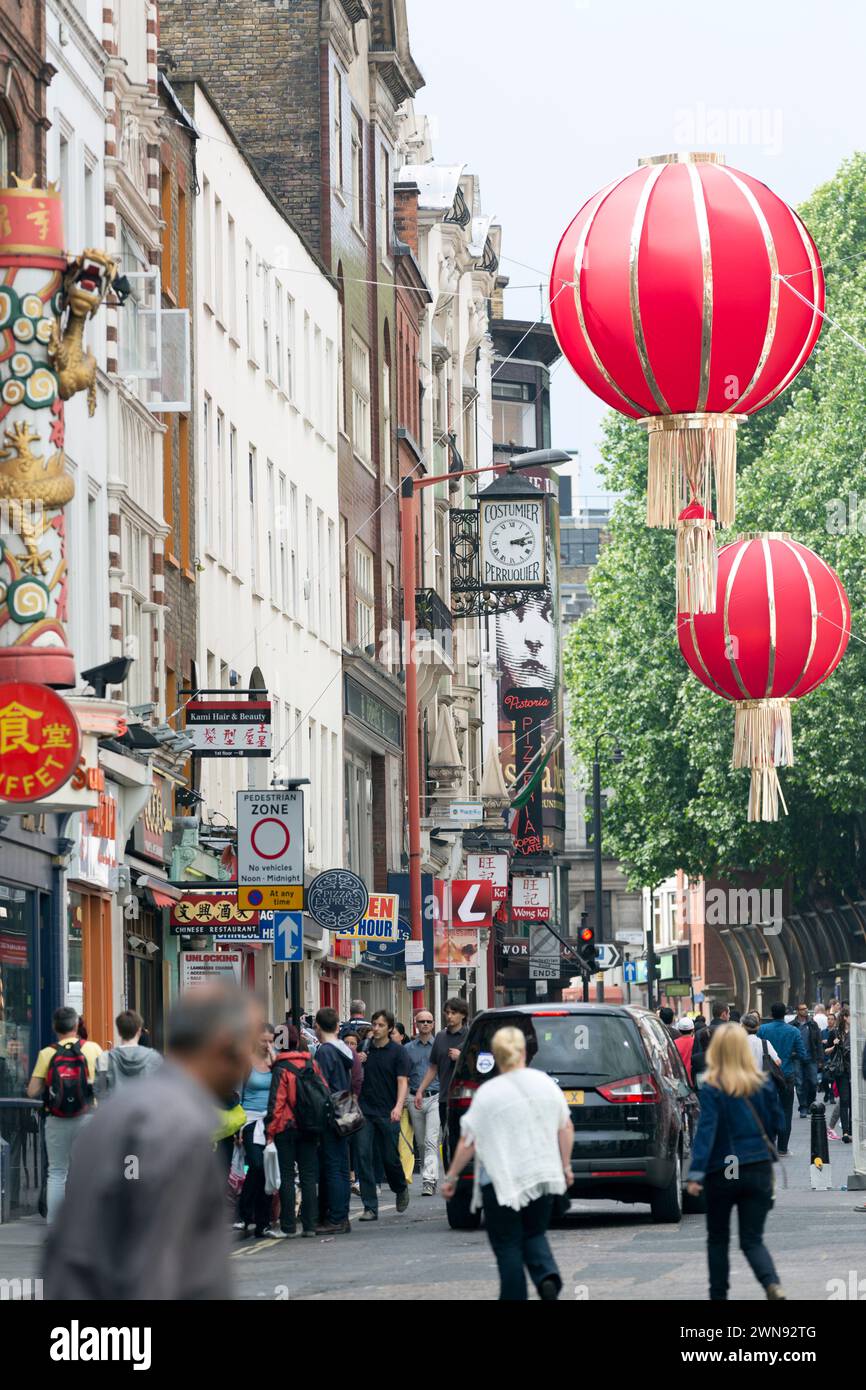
(75, 953)
(17, 988)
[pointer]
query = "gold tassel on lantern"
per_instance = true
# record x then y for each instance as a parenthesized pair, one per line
(697, 560)
(692, 458)
(762, 742)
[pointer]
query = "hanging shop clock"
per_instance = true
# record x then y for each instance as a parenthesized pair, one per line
(512, 538)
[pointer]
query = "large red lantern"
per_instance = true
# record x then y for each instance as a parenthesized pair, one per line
(667, 298)
(781, 626)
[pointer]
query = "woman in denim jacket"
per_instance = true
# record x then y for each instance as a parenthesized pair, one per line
(732, 1158)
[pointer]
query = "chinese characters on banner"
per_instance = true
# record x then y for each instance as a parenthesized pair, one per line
(229, 728)
(213, 913)
(40, 741)
(530, 899)
(492, 866)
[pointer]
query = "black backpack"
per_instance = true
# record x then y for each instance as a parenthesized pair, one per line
(68, 1091)
(774, 1071)
(314, 1113)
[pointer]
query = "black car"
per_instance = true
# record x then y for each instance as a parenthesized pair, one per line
(633, 1108)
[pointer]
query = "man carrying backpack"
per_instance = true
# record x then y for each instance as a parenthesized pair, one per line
(64, 1076)
(299, 1114)
(127, 1062)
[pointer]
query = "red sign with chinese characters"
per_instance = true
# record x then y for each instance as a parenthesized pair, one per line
(209, 911)
(530, 899)
(40, 741)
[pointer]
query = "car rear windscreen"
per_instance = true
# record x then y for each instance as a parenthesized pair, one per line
(604, 1047)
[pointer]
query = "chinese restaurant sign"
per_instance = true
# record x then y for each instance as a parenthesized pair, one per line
(212, 912)
(40, 741)
(229, 728)
(530, 899)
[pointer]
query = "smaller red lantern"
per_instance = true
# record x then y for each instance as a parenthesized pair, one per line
(781, 626)
(40, 741)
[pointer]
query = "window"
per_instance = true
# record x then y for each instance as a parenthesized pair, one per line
(392, 654)
(66, 184)
(341, 357)
(328, 425)
(337, 129)
(182, 283)
(320, 380)
(233, 500)
(167, 488)
(231, 289)
(282, 520)
(272, 559)
(384, 202)
(218, 257)
(184, 482)
(207, 241)
(332, 583)
(167, 231)
(91, 212)
(387, 448)
(365, 602)
(252, 470)
(206, 474)
(361, 439)
(219, 491)
(358, 171)
(249, 299)
(290, 347)
(344, 579)
(514, 413)
(308, 371)
(320, 577)
(136, 559)
(266, 317)
(358, 817)
(7, 160)
(278, 332)
(293, 543)
(311, 568)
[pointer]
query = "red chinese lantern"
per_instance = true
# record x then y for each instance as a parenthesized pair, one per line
(781, 626)
(667, 299)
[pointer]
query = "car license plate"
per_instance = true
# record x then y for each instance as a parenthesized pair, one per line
(573, 1097)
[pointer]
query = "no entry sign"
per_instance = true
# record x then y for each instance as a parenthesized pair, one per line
(270, 847)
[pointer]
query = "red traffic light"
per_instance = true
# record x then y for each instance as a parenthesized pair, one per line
(587, 934)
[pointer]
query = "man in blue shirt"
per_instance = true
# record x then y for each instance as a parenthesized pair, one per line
(425, 1118)
(787, 1041)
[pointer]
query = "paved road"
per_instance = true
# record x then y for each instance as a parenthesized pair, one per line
(605, 1250)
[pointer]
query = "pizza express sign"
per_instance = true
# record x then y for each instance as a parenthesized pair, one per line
(512, 543)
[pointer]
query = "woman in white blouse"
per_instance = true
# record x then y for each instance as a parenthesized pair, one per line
(518, 1130)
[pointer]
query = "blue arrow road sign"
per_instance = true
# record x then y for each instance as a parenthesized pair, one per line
(289, 936)
(629, 972)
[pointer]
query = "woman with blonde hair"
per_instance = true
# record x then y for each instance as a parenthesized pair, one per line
(733, 1156)
(519, 1132)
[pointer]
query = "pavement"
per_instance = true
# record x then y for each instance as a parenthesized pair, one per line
(605, 1250)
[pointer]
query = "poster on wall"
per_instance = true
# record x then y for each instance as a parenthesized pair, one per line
(199, 967)
(530, 710)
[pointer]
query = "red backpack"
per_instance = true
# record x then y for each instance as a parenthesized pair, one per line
(68, 1091)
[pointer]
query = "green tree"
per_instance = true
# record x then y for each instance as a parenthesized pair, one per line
(676, 802)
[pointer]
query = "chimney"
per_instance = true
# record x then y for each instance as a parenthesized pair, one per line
(497, 298)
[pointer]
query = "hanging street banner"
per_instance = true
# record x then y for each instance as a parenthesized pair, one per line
(471, 903)
(530, 898)
(271, 849)
(379, 923)
(337, 899)
(214, 912)
(229, 728)
(492, 866)
(40, 741)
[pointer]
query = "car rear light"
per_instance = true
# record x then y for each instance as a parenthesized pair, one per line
(551, 1013)
(462, 1096)
(632, 1090)
(618, 1173)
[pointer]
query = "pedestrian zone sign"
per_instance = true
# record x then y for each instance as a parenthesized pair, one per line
(271, 849)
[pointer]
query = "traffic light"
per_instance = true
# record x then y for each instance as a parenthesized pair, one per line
(587, 950)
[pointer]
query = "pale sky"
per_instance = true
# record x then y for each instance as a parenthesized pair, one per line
(547, 102)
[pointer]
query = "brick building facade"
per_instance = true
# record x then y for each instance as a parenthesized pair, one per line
(24, 78)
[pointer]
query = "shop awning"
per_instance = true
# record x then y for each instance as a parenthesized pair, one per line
(159, 890)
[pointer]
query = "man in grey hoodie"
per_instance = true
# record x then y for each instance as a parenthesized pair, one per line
(144, 1215)
(128, 1062)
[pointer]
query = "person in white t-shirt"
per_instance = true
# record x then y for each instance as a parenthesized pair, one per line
(752, 1022)
(518, 1130)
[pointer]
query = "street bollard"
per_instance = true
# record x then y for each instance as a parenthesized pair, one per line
(819, 1170)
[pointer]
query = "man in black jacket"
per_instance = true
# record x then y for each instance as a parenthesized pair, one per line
(807, 1083)
(334, 1058)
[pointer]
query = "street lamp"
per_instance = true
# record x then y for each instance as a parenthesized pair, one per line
(596, 845)
(409, 489)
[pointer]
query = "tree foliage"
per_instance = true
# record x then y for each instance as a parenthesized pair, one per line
(676, 801)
